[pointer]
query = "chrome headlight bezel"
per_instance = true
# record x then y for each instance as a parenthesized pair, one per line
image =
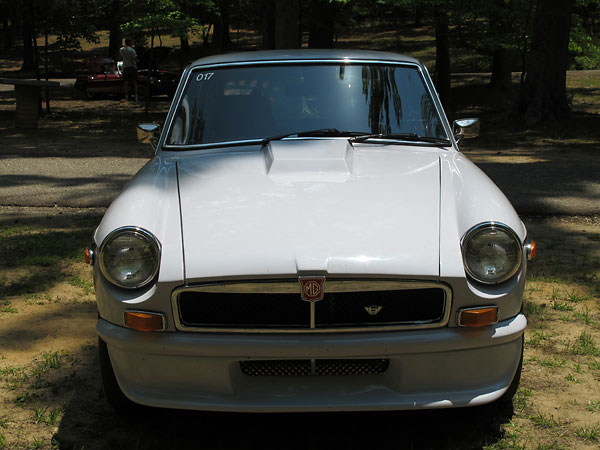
(477, 231)
(139, 233)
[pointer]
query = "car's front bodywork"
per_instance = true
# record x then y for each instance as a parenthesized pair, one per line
(310, 273)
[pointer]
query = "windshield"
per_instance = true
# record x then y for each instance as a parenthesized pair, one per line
(242, 103)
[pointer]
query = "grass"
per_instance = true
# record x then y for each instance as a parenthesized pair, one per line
(17, 377)
(591, 433)
(8, 309)
(585, 316)
(584, 345)
(42, 414)
(551, 362)
(544, 421)
(593, 406)
(87, 286)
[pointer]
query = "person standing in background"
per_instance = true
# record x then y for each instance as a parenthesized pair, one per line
(130, 60)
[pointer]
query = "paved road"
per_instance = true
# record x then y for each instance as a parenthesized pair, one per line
(61, 181)
(95, 181)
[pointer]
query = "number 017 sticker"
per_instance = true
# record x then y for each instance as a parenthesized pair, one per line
(204, 76)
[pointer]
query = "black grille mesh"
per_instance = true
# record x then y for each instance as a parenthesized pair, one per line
(318, 367)
(288, 311)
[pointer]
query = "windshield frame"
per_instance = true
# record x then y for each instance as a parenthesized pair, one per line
(424, 74)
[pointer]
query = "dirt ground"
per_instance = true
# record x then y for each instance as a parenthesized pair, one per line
(50, 391)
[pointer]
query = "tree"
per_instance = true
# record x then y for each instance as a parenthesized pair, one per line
(499, 29)
(442, 52)
(321, 23)
(584, 44)
(281, 24)
(115, 35)
(543, 95)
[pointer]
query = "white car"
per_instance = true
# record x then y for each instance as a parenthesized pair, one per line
(308, 237)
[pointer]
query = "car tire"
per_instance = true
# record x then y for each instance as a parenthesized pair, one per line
(88, 94)
(112, 391)
(506, 399)
(142, 91)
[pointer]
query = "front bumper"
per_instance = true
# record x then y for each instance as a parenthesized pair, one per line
(445, 367)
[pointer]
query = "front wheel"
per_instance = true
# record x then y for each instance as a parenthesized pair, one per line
(506, 399)
(142, 91)
(112, 391)
(88, 94)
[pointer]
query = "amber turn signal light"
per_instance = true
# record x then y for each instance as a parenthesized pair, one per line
(89, 256)
(531, 250)
(144, 321)
(478, 317)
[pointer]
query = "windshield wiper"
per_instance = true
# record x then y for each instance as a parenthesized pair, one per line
(411, 137)
(321, 132)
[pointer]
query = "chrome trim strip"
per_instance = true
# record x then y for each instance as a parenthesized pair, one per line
(291, 286)
(190, 70)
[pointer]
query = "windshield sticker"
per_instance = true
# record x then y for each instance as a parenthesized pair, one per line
(204, 76)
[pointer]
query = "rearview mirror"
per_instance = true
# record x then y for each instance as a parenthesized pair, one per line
(148, 133)
(465, 129)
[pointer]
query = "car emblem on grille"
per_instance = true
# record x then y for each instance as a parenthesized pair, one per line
(373, 310)
(311, 288)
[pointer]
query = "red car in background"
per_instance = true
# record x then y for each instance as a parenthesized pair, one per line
(105, 77)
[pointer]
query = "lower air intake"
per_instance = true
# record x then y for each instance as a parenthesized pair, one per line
(318, 367)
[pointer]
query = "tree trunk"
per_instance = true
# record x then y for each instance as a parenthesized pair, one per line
(442, 54)
(8, 28)
(419, 13)
(28, 59)
(321, 28)
(501, 69)
(268, 24)
(543, 96)
(287, 23)
(185, 44)
(115, 35)
(221, 37)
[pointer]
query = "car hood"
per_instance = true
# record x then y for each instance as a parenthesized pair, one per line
(311, 206)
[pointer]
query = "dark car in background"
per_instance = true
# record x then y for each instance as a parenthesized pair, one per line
(105, 77)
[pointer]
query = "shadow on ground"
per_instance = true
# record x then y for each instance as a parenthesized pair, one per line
(90, 423)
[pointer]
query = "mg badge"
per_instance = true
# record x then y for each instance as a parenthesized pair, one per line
(373, 310)
(311, 288)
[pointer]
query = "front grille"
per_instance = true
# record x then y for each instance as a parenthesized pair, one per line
(243, 310)
(318, 367)
(367, 305)
(380, 308)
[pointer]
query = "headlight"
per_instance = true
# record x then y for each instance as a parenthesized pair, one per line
(129, 257)
(491, 252)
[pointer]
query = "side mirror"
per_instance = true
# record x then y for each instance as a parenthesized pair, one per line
(148, 133)
(465, 129)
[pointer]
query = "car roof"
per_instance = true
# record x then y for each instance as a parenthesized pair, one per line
(303, 54)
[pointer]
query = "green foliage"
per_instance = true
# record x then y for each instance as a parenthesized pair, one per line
(156, 17)
(487, 26)
(584, 43)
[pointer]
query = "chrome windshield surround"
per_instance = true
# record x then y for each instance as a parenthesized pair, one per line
(291, 286)
(188, 74)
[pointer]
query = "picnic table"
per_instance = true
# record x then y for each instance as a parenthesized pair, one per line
(27, 94)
